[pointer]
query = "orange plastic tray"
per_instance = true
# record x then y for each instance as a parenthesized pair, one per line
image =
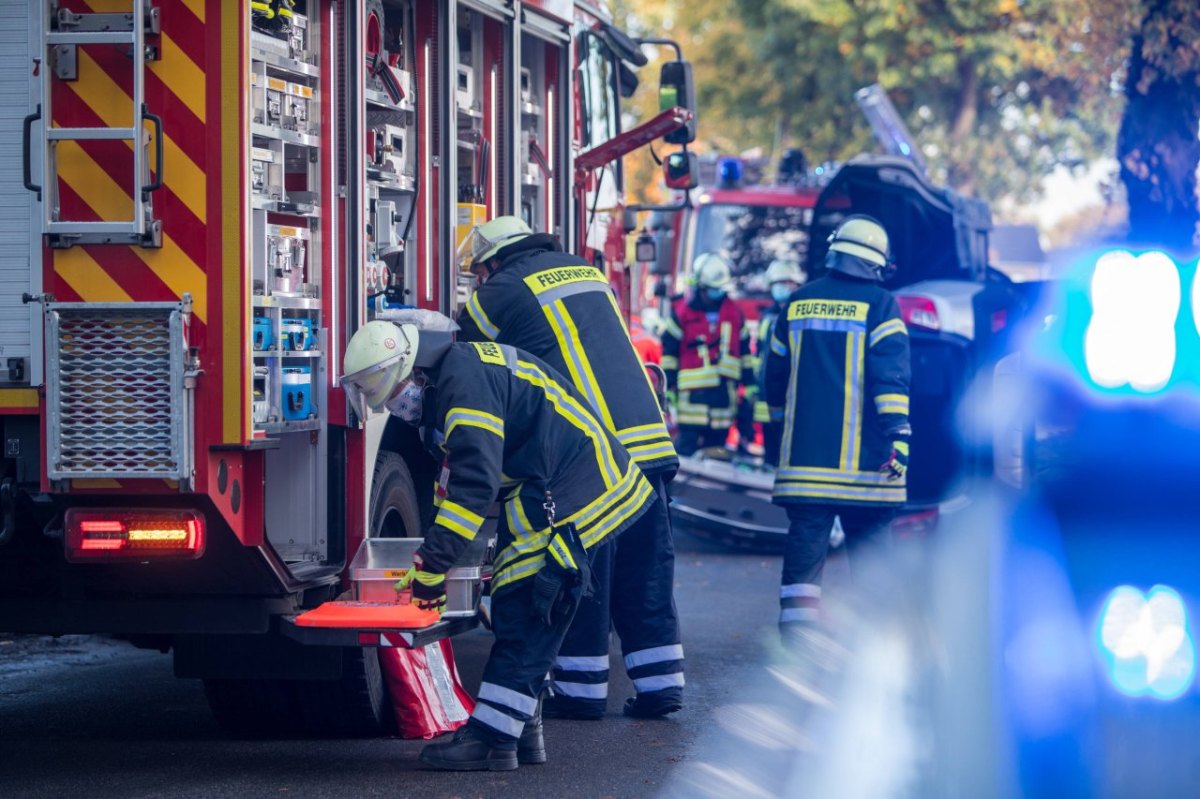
(367, 615)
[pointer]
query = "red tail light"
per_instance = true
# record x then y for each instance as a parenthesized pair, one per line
(121, 533)
(919, 312)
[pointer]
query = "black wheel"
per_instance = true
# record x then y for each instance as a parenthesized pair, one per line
(255, 708)
(357, 704)
(394, 509)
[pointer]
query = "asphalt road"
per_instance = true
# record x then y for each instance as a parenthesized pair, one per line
(83, 716)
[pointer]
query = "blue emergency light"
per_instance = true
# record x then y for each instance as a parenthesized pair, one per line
(729, 172)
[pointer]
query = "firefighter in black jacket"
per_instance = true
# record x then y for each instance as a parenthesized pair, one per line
(562, 309)
(502, 420)
(839, 365)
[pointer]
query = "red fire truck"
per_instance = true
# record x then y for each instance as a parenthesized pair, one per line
(219, 193)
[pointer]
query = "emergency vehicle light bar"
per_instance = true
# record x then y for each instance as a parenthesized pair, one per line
(122, 533)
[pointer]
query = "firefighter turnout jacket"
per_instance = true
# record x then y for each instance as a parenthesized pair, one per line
(503, 420)
(706, 354)
(838, 363)
(763, 412)
(562, 310)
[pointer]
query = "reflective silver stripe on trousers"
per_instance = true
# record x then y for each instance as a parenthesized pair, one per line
(581, 690)
(657, 654)
(585, 663)
(645, 685)
(798, 614)
(800, 589)
(486, 714)
(507, 697)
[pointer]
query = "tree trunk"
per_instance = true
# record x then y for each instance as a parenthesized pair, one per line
(1157, 145)
(966, 111)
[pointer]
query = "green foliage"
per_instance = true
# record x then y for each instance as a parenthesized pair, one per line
(998, 92)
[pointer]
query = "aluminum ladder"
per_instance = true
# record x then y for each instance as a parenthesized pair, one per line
(62, 33)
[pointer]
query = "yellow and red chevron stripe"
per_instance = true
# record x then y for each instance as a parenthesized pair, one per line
(96, 177)
(198, 86)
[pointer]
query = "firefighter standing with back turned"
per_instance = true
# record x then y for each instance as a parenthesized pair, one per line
(706, 356)
(838, 363)
(557, 306)
(502, 419)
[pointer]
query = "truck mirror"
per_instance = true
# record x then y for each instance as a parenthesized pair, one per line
(622, 46)
(681, 170)
(627, 80)
(646, 249)
(676, 88)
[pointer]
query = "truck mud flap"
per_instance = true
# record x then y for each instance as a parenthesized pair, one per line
(409, 639)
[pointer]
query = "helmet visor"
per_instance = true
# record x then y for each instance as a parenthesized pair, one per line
(371, 387)
(477, 248)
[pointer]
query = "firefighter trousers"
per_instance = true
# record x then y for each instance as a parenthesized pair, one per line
(634, 594)
(807, 546)
(521, 657)
(693, 437)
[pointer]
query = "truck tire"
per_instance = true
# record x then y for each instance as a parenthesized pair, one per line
(255, 708)
(358, 704)
(394, 509)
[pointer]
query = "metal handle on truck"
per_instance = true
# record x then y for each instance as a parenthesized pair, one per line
(156, 120)
(27, 153)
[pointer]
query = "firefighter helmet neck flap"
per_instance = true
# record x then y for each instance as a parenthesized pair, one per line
(859, 248)
(484, 241)
(379, 359)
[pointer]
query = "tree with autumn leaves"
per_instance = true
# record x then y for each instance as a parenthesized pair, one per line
(999, 93)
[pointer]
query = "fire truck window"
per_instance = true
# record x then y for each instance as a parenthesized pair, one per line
(753, 236)
(600, 114)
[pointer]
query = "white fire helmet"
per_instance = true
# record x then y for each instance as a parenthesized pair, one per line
(379, 358)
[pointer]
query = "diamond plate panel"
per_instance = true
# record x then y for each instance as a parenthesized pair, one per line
(116, 404)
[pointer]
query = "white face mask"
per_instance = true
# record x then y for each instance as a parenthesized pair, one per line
(408, 403)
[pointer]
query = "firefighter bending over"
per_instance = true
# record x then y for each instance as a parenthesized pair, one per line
(560, 308)
(502, 420)
(838, 363)
(706, 349)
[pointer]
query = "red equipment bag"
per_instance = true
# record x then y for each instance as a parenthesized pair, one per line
(428, 697)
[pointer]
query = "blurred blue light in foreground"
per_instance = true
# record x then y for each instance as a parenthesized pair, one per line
(1145, 642)
(1131, 337)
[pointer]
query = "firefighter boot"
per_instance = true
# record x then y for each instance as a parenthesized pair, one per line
(470, 750)
(654, 705)
(531, 748)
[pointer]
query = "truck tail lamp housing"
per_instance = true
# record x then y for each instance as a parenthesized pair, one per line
(129, 534)
(918, 311)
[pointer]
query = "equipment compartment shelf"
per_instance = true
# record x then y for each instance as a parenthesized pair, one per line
(288, 427)
(283, 207)
(287, 136)
(390, 180)
(296, 303)
(286, 353)
(284, 64)
(381, 100)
